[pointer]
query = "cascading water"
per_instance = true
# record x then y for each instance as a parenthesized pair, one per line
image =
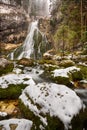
(34, 46)
(39, 7)
(35, 42)
(28, 47)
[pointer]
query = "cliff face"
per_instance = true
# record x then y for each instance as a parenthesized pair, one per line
(14, 21)
(22, 3)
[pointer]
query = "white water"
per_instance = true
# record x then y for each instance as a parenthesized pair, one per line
(39, 7)
(28, 47)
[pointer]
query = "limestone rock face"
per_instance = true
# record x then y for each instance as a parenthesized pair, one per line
(14, 23)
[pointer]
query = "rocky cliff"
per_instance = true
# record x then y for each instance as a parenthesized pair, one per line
(14, 21)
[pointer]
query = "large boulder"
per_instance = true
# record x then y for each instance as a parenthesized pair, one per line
(50, 106)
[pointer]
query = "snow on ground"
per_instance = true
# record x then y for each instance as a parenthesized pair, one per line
(3, 114)
(83, 81)
(81, 63)
(57, 100)
(22, 124)
(15, 79)
(64, 72)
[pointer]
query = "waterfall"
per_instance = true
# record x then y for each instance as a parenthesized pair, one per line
(39, 7)
(28, 47)
(35, 43)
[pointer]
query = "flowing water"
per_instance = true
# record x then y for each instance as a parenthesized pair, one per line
(35, 43)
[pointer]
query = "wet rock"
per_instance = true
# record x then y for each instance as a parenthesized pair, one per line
(26, 62)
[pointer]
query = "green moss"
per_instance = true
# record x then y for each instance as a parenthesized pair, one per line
(54, 123)
(7, 69)
(30, 115)
(50, 68)
(11, 92)
(79, 120)
(62, 80)
(76, 75)
(66, 63)
(43, 61)
(83, 71)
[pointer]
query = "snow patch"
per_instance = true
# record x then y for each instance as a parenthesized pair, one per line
(15, 79)
(3, 114)
(22, 124)
(64, 72)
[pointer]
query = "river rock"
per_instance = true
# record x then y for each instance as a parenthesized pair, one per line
(50, 106)
(14, 23)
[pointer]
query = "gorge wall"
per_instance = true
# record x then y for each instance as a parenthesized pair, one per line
(14, 21)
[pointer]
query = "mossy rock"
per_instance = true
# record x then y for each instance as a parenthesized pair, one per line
(43, 61)
(12, 91)
(66, 63)
(76, 75)
(30, 115)
(26, 62)
(53, 122)
(48, 68)
(83, 71)
(80, 121)
(62, 80)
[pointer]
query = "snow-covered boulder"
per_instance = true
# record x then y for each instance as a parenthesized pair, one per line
(15, 124)
(11, 85)
(65, 76)
(50, 106)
